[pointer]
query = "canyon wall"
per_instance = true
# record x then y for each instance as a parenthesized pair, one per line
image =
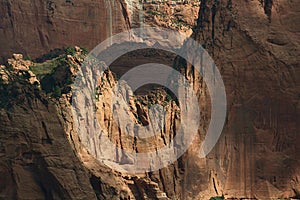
(33, 27)
(255, 45)
(42, 155)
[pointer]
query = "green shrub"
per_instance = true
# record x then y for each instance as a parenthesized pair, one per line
(28, 57)
(156, 13)
(217, 198)
(70, 51)
(42, 68)
(149, 105)
(57, 91)
(169, 97)
(84, 50)
(47, 67)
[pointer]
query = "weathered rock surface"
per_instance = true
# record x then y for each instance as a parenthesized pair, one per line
(255, 45)
(18, 67)
(36, 27)
(37, 161)
(179, 16)
(41, 154)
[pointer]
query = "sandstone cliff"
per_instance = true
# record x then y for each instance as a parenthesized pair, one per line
(41, 154)
(34, 28)
(37, 161)
(256, 47)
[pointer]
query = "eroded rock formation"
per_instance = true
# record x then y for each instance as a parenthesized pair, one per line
(255, 45)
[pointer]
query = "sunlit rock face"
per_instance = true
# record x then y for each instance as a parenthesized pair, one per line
(256, 47)
(175, 15)
(41, 154)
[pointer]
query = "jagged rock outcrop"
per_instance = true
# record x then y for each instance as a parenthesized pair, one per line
(174, 15)
(42, 155)
(18, 67)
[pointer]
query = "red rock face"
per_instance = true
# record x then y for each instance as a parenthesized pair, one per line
(256, 47)
(36, 27)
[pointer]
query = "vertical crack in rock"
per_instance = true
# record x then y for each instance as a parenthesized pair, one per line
(213, 15)
(268, 8)
(47, 140)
